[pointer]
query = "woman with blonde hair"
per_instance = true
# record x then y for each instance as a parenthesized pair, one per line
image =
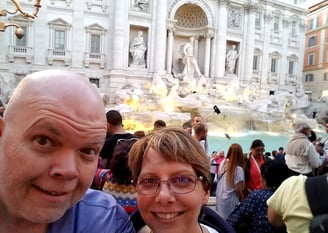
(172, 177)
(230, 184)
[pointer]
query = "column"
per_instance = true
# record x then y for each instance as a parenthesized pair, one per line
(157, 63)
(265, 65)
(169, 50)
(250, 40)
(284, 62)
(221, 38)
(209, 35)
(120, 39)
(196, 41)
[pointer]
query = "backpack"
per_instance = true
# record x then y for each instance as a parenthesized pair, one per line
(317, 192)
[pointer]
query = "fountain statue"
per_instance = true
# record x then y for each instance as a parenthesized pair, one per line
(240, 109)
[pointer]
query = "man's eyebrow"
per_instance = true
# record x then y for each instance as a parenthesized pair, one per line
(51, 128)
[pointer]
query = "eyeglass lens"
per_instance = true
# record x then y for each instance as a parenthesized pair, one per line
(177, 184)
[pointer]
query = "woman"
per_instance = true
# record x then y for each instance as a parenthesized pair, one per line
(230, 182)
(118, 183)
(252, 212)
(172, 177)
(254, 160)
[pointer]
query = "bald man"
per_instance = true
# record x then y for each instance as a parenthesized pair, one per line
(53, 129)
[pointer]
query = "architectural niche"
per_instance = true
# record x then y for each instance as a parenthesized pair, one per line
(190, 16)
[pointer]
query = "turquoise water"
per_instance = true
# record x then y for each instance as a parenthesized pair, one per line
(272, 141)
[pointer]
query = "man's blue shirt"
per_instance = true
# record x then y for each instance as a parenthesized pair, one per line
(96, 212)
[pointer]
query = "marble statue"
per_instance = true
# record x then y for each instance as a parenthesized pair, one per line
(231, 58)
(189, 60)
(137, 51)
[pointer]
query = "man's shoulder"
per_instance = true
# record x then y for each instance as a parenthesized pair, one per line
(96, 211)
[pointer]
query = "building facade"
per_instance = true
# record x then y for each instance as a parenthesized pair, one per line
(99, 39)
(315, 76)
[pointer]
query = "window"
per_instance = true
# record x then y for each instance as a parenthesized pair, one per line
(258, 19)
(312, 41)
(59, 39)
(273, 65)
(276, 23)
(22, 42)
(309, 78)
(255, 63)
(59, 34)
(95, 46)
(291, 67)
(314, 23)
(311, 59)
(294, 28)
(95, 43)
(325, 77)
(59, 46)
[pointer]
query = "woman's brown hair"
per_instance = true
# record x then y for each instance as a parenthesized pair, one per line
(174, 144)
(236, 158)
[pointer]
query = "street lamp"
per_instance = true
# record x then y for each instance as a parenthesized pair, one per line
(19, 32)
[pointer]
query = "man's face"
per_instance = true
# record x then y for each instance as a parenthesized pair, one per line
(49, 155)
(326, 126)
(196, 121)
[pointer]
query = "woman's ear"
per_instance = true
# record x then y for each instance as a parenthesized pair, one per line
(206, 197)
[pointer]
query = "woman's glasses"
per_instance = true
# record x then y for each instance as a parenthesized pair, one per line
(177, 184)
(259, 150)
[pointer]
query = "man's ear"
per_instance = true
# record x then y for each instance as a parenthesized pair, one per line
(2, 126)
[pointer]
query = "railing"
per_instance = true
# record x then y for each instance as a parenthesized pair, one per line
(59, 55)
(273, 77)
(20, 52)
(95, 58)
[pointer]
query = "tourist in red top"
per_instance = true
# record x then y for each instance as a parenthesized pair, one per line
(254, 160)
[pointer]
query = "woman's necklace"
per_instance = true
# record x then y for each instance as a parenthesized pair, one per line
(198, 224)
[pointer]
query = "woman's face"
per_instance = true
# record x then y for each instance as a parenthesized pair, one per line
(258, 151)
(165, 211)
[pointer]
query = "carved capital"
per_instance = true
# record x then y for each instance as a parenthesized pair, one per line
(224, 2)
(252, 7)
(268, 17)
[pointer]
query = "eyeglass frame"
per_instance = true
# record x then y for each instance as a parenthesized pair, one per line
(159, 181)
(126, 140)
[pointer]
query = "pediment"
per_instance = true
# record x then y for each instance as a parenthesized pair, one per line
(95, 26)
(257, 51)
(292, 57)
(275, 54)
(19, 18)
(59, 22)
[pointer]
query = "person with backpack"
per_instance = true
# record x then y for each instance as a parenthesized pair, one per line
(297, 200)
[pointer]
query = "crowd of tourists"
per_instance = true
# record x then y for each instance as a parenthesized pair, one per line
(81, 171)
